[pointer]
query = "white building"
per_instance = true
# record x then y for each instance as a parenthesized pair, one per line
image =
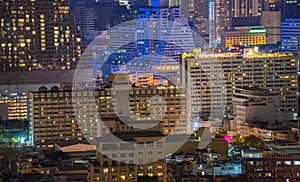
(212, 80)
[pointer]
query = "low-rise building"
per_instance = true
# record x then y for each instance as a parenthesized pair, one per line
(139, 154)
(264, 130)
(273, 168)
(283, 147)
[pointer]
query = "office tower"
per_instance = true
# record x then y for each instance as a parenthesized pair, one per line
(246, 8)
(163, 32)
(290, 9)
(38, 35)
(271, 21)
(85, 17)
(201, 8)
(243, 36)
(213, 77)
(122, 43)
(219, 19)
(200, 18)
(96, 16)
(290, 35)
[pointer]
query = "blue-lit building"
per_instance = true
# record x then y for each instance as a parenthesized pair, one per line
(163, 31)
(290, 35)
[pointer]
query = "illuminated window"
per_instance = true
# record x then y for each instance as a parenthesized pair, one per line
(287, 162)
(268, 174)
(105, 170)
(123, 177)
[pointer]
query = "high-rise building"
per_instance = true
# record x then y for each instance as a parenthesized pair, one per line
(163, 32)
(96, 16)
(14, 105)
(219, 19)
(246, 8)
(290, 9)
(212, 79)
(271, 21)
(290, 35)
(54, 119)
(201, 8)
(38, 35)
(272, 5)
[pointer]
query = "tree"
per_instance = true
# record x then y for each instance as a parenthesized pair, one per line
(253, 141)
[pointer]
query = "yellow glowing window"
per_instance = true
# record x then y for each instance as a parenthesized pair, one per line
(123, 177)
(105, 170)
(159, 174)
(150, 174)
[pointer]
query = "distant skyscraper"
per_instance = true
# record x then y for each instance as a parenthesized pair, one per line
(219, 19)
(85, 17)
(38, 35)
(201, 8)
(96, 16)
(271, 21)
(246, 8)
(163, 31)
(290, 35)
(290, 9)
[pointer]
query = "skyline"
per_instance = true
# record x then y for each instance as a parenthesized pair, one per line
(160, 90)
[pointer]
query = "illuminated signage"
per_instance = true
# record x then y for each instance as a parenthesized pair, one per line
(257, 30)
